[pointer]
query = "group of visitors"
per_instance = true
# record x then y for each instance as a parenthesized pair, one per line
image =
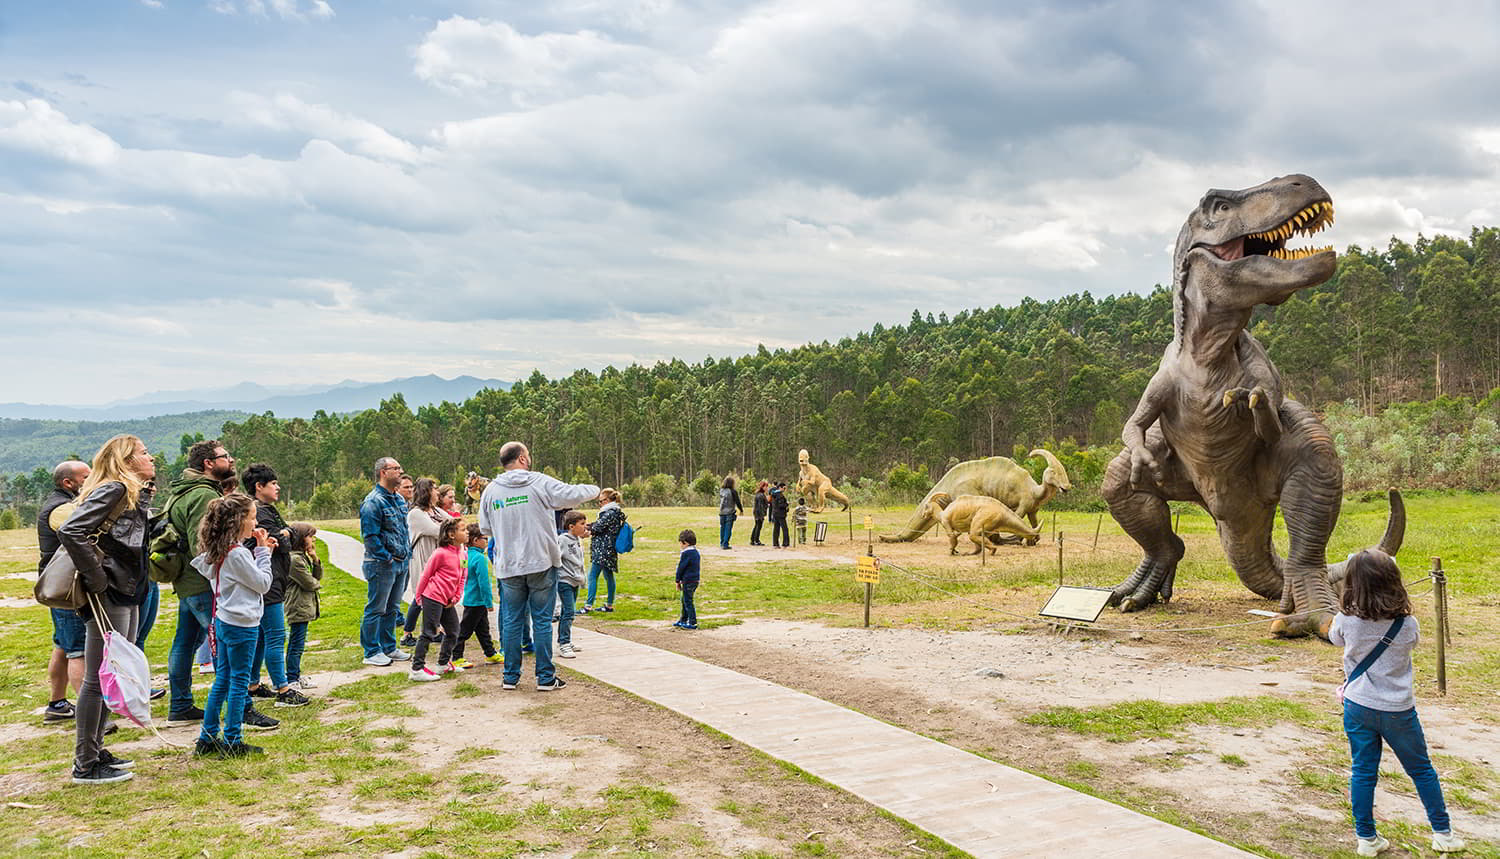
(771, 501)
(240, 572)
(527, 528)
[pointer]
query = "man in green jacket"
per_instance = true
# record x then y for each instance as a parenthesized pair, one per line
(208, 464)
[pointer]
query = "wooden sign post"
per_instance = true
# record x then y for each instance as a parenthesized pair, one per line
(867, 570)
(870, 535)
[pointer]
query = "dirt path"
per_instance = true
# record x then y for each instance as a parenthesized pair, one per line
(1280, 786)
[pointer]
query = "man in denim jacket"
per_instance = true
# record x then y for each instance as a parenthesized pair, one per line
(382, 525)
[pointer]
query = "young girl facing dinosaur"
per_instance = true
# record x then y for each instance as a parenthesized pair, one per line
(1377, 632)
(439, 590)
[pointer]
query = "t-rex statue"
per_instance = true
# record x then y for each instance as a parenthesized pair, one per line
(981, 517)
(999, 477)
(815, 486)
(1213, 426)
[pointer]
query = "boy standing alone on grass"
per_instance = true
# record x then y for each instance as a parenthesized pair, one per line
(688, 573)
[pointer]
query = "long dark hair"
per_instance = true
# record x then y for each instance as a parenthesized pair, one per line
(424, 493)
(1373, 589)
(222, 524)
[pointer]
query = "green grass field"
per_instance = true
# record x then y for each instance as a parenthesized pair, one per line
(353, 743)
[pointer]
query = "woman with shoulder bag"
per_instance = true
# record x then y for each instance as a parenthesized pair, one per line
(111, 562)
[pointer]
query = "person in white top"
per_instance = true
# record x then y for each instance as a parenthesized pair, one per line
(517, 512)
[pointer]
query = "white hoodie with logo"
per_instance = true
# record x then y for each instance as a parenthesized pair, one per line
(518, 512)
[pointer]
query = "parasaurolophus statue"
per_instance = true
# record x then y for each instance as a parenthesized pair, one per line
(999, 477)
(1213, 426)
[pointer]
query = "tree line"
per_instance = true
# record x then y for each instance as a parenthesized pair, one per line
(895, 406)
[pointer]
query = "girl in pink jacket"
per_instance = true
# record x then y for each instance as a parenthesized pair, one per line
(439, 590)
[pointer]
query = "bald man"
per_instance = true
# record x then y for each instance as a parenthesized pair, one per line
(66, 664)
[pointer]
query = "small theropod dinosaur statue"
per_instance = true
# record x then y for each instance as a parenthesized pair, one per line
(1213, 426)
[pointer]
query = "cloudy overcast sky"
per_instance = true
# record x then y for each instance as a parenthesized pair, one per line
(195, 193)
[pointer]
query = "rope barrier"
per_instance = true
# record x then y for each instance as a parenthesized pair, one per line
(900, 570)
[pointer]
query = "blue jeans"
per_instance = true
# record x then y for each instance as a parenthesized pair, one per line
(234, 650)
(296, 642)
(204, 654)
(68, 633)
(383, 584)
(726, 528)
(192, 629)
(148, 613)
(270, 647)
(569, 596)
(689, 611)
(522, 596)
(609, 580)
(1402, 731)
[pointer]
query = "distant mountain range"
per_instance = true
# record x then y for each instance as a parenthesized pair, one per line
(41, 435)
(286, 401)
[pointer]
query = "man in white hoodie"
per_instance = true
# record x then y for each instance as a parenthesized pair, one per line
(517, 513)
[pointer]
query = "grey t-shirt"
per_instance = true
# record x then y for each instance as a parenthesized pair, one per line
(1386, 685)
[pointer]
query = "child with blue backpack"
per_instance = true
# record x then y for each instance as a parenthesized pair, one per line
(1378, 633)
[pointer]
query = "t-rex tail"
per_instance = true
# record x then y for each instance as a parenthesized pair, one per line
(838, 496)
(1390, 542)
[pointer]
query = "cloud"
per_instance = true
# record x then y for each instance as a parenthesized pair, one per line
(36, 128)
(464, 54)
(286, 112)
(294, 10)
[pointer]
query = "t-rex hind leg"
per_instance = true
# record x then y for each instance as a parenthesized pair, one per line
(1142, 511)
(839, 497)
(1312, 487)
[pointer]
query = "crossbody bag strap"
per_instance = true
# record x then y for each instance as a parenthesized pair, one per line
(1374, 654)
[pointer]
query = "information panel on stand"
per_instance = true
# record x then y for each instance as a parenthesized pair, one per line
(1085, 604)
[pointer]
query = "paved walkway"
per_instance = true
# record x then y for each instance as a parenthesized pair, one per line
(977, 805)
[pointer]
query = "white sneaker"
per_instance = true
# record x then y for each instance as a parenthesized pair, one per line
(399, 655)
(378, 659)
(576, 648)
(566, 652)
(1373, 846)
(422, 675)
(305, 683)
(206, 668)
(1447, 842)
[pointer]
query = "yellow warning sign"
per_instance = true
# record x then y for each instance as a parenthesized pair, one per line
(869, 523)
(867, 569)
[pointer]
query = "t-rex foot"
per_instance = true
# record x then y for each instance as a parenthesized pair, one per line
(1303, 625)
(1151, 581)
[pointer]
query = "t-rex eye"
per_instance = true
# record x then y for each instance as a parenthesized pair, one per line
(1222, 207)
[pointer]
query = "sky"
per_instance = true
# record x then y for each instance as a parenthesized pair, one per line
(196, 193)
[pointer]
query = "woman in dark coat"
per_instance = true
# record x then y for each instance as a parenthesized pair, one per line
(106, 537)
(761, 508)
(605, 560)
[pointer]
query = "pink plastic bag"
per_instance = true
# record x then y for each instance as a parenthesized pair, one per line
(125, 679)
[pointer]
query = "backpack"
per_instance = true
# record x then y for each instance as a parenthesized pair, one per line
(625, 538)
(168, 547)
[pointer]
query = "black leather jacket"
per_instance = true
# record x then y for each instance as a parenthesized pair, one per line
(118, 569)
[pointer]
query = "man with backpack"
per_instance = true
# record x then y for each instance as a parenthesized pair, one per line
(174, 543)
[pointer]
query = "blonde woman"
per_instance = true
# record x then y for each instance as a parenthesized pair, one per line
(605, 560)
(113, 504)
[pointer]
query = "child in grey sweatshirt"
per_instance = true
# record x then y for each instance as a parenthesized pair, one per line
(569, 578)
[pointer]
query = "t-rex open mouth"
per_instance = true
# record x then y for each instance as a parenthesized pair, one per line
(1272, 242)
